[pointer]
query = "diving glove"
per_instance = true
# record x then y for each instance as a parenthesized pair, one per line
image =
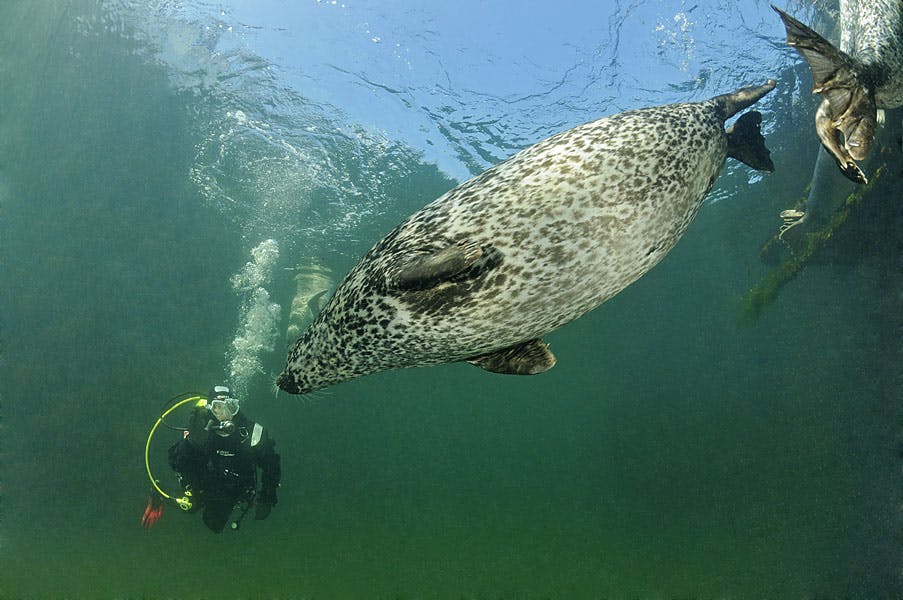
(262, 511)
(265, 503)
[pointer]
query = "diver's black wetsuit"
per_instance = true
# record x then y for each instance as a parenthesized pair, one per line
(221, 470)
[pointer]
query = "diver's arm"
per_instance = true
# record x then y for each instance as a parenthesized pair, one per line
(198, 432)
(270, 466)
(272, 473)
(187, 457)
(188, 461)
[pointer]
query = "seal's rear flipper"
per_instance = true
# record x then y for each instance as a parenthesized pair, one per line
(527, 358)
(741, 99)
(849, 104)
(423, 271)
(828, 64)
(746, 144)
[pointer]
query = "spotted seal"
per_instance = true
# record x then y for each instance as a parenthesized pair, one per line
(865, 74)
(487, 269)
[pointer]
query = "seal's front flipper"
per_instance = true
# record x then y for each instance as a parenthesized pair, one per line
(423, 271)
(527, 358)
(746, 144)
(849, 104)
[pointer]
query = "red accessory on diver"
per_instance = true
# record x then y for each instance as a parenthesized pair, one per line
(153, 512)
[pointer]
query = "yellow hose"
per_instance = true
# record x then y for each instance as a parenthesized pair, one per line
(201, 401)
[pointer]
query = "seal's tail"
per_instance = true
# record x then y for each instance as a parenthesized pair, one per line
(746, 144)
(731, 104)
(849, 104)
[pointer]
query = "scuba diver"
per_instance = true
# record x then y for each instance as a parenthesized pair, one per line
(217, 460)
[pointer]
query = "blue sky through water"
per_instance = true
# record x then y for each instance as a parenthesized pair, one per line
(468, 83)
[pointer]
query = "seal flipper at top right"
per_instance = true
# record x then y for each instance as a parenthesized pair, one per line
(855, 80)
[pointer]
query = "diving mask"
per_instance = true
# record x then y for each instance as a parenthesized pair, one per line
(224, 409)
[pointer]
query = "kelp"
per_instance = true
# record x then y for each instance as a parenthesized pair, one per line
(809, 244)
